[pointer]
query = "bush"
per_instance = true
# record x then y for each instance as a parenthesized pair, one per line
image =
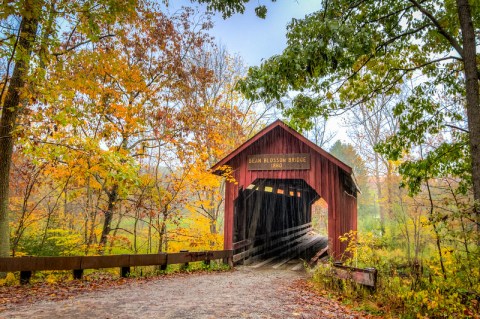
(420, 289)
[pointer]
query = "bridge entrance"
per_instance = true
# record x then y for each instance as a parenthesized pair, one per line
(273, 180)
(273, 218)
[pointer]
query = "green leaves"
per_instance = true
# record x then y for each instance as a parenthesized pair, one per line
(261, 11)
(350, 53)
(448, 159)
(230, 7)
(428, 147)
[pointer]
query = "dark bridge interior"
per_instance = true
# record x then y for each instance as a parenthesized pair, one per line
(272, 222)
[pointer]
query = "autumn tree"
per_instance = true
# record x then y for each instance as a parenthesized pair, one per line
(219, 118)
(31, 38)
(110, 101)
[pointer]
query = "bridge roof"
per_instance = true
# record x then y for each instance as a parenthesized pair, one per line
(268, 130)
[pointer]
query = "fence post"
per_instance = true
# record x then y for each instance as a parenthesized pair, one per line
(77, 273)
(185, 265)
(124, 272)
(164, 266)
(228, 260)
(375, 277)
(207, 260)
(25, 276)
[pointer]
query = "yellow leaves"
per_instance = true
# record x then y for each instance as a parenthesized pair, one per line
(195, 235)
(51, 278)
(361, 61)
(9, 280)
(228, 173)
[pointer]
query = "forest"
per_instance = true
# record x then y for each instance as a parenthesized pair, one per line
(113, 113)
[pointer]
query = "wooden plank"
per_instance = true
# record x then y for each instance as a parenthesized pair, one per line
(241, 255)
(241, 244)
(282, 262)
(13, 264)
(285, 240)
(301, 246)
(96, 262)
(297, 267)
(148, 259)
(220, 254)
(30, 263)
(178, 258)
(184, 257)
(301, 243)
(283, 248)
(264, 262)
(317, 256)
(366, 277)
(62, 263)
(26, 264)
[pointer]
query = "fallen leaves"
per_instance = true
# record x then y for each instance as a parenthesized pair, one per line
(67, 289)
(311, 302)
(300, 298)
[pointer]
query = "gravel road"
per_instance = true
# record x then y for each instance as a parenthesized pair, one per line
(243, 293)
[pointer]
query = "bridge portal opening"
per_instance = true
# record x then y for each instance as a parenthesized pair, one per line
(273, 219)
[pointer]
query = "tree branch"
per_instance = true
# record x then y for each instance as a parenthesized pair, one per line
(440, 29)
(410, 32)
(80, 44)
(426, 64)
(457, 128)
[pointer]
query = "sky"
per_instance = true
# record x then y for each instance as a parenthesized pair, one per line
(255, 39)
(251, 37)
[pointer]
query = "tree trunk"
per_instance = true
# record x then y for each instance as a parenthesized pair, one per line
(390, 184)
(472, 91)
(115, 231)
(381, 209)
(135, 224)
(10, 111)
(213, 226)
(112, 199)
(162, 240)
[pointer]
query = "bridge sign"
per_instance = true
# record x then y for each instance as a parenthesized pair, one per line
(265, 162)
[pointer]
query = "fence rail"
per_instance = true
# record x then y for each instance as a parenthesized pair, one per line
(363, 276)
(78, 263)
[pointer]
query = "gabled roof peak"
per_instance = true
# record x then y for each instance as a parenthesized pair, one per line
(268, 129)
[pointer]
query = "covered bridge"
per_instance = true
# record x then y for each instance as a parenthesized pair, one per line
(278, 175)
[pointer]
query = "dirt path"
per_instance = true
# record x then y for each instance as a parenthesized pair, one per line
(243, 293)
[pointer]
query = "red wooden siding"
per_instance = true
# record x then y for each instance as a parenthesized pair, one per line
(328, 176)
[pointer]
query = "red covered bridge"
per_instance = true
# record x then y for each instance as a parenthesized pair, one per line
(279, 174)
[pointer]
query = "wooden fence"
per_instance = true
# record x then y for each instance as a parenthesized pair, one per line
(362, 276)
(78, 263)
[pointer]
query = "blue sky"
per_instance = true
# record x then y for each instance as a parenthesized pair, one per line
(251, 37)
(255, 39)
